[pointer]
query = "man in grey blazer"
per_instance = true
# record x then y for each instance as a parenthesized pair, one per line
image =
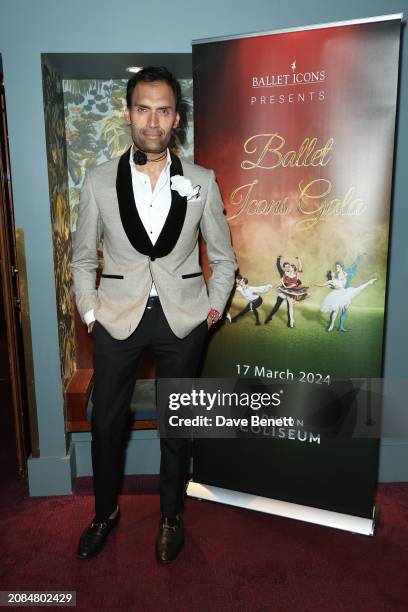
(149, 207)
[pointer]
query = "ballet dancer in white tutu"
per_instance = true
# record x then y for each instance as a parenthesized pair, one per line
(341, 296)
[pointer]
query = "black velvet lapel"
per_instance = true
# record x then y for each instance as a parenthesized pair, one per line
(132, 223)
(175, 219)
(130, 218)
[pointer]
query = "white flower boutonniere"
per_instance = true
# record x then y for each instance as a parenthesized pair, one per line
(183, 186)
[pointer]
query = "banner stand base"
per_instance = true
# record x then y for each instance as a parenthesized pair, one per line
(326, 518)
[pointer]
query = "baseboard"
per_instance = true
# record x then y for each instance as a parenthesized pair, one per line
(393, 460)
(51, 475)
(142, 453)
(54, 475)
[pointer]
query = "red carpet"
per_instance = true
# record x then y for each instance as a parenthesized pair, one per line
(233, 559)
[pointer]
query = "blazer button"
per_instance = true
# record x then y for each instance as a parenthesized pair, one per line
(152, 258)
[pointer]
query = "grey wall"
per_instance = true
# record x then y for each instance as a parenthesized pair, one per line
(29, 28)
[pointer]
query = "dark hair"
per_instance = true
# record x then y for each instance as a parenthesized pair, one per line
(152, 74)
(239, 277)
(285, 263)
(245, 280)
(329, 275)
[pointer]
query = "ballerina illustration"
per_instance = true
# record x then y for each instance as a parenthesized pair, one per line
(341, 296)
(290, 289)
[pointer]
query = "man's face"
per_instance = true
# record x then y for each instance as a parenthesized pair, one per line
(152, 116)
(286, 268)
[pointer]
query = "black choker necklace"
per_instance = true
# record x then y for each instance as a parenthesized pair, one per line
(140, 157)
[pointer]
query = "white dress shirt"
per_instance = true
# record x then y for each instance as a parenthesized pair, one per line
(153, 207)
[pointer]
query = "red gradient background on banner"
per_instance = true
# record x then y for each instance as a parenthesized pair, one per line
(354, 106)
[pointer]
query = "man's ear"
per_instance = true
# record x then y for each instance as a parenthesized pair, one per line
(127, 115)
(176, 120)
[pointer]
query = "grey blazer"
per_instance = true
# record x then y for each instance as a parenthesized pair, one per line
(131, 262)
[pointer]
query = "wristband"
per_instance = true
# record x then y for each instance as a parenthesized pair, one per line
(214, 315)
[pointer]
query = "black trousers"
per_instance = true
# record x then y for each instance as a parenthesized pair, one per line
(115, 363)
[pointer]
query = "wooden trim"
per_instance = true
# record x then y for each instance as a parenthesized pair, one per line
(12, 301)
(79, 426)
(27, 344)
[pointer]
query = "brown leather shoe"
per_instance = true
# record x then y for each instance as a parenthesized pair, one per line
(170, 539)
(93, 539)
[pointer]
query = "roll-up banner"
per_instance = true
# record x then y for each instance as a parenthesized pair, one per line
(299, 127)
